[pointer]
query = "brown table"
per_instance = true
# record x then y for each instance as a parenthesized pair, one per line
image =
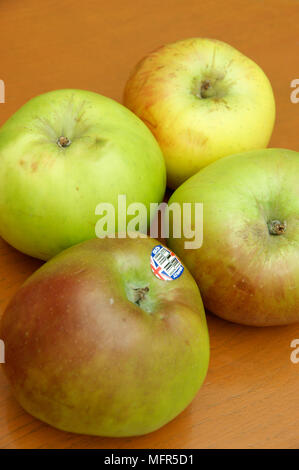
(250, 397)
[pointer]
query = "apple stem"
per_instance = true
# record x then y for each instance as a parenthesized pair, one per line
(206, 90)
(140, 293)
(63, 141)
(276, 227)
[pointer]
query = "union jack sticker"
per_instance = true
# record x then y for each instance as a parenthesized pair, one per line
(165, 264)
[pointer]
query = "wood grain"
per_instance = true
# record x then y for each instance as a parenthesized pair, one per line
(250, 397)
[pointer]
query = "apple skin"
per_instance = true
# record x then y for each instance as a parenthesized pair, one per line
(49, 193)
(246, 274)
(82, 357)
(193, 125)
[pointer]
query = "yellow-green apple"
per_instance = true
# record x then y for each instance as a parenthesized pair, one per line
(203, 100)
(61, 155)
(247, 268)
(95, 343)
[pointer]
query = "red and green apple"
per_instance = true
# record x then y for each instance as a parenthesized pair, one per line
(247, 268)
(96, 344)
(203, 100)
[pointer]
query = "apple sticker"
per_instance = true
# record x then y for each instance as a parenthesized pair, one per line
(165, 264)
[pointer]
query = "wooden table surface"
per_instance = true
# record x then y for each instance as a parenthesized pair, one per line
(250, 398)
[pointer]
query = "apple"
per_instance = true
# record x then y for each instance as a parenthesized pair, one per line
(247, 268)
(62, 154)
(96, 344)
(203, 100)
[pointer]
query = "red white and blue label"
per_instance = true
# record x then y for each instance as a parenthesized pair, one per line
(165, 264)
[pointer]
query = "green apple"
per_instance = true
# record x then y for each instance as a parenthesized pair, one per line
(247, 268)
(203, 100)
(61, 155)
(96, 344)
